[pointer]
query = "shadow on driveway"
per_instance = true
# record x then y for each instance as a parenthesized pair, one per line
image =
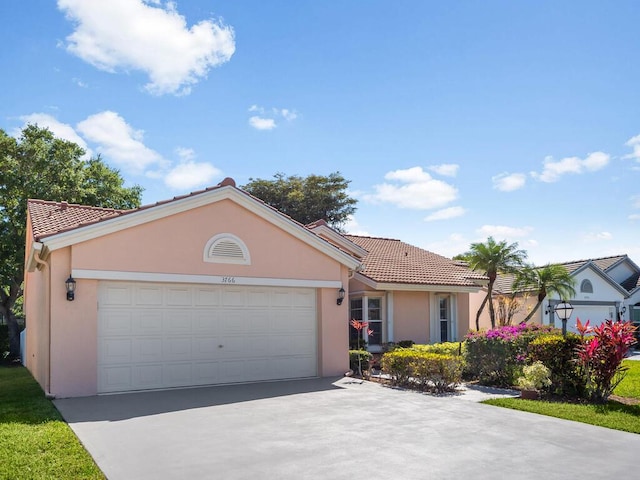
(140, 404)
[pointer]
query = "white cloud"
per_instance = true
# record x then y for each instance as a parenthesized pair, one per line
(261, 123)
(504, 232)
(453, 245)
(445, 169)
(417, 190)
(119, 142)
(288, 115)
(508, 182)
(446, 213)
(189, 174)
(122, 35)
(634, 142)
(266, 119)
(59, 129)
(79, 82)
(352, 227)
(634, 216)
(552, 170)
(598, 236)
(185, 154)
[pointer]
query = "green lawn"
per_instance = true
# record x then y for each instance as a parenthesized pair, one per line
(630, 386)
(612, 415)
(34, 440)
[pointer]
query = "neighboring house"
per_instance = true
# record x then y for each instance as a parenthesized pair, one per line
(404, 292)
(606, 288)
(208, 288)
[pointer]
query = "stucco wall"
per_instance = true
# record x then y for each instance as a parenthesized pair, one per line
(411, 316)
(176, 244)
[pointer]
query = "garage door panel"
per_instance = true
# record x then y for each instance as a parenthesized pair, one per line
(146, 376)
(206, 347)
(206, 373)
(179, 297)
(147, 349)
(177, 348)
(205, 322)
(118, 322)
(115, 379)
(177, 321)
(233, 297)
(148, 322)
(176, 374)
(116, 295)
(116, 350)
(148, 295)
(206, 296)
(164, 335)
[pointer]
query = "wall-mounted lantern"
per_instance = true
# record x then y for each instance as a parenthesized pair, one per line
(341, 293)
(70, 284)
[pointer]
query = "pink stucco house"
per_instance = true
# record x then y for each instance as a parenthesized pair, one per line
(217, 287)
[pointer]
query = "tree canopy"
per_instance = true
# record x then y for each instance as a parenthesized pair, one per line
(38, 165)
(307, 199)
(492, 258)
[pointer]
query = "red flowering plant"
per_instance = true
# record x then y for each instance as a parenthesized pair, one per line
(601, 352)
(360, 326)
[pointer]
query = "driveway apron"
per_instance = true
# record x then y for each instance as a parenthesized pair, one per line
(336, 429)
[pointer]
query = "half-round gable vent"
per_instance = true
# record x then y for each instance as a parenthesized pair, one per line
(226, 248)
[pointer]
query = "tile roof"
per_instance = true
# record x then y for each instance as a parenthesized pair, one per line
(603, 263)
(49, 218)
(393, 261)
(504, 281)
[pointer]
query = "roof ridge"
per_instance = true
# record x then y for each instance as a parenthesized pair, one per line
(76, 205)
(376, 238)
(591, 259)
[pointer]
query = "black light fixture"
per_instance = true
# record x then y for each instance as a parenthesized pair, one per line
(623, 309)
(564, 311)
(70, 284)
(341, 293)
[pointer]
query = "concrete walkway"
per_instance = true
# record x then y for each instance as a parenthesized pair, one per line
(336, 429)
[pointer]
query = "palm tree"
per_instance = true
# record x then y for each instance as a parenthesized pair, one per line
(545, 280)
(493, 258)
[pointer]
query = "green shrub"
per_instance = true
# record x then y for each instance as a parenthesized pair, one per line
(558, 354)
(424, 370)
(445, 348)
(496, 357)
(535, 377)
(364, 358)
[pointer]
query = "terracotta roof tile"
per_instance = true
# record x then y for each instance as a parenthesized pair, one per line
(393, 261)
(48, 218)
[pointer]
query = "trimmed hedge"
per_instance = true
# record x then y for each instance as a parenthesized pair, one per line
(445, 348)
(415, 368)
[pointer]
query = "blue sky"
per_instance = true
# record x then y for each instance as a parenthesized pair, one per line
(453, 120)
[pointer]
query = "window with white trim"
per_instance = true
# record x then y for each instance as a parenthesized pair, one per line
(369, 310)
(226, 248)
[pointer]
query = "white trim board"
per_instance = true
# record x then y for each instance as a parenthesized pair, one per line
(201, 279)
(414, 287)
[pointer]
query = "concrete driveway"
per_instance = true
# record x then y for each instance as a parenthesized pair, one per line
(336, 429)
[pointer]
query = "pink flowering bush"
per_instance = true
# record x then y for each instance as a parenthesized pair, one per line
(600, 354)
(496, 356)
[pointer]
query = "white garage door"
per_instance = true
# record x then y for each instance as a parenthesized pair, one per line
(153, 335)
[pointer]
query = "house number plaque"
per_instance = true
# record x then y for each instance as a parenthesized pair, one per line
(228, 279)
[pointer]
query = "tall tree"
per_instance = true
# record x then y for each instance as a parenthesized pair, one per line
(315, 197)
(38, 165)
(493, 258)
(545, 280)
